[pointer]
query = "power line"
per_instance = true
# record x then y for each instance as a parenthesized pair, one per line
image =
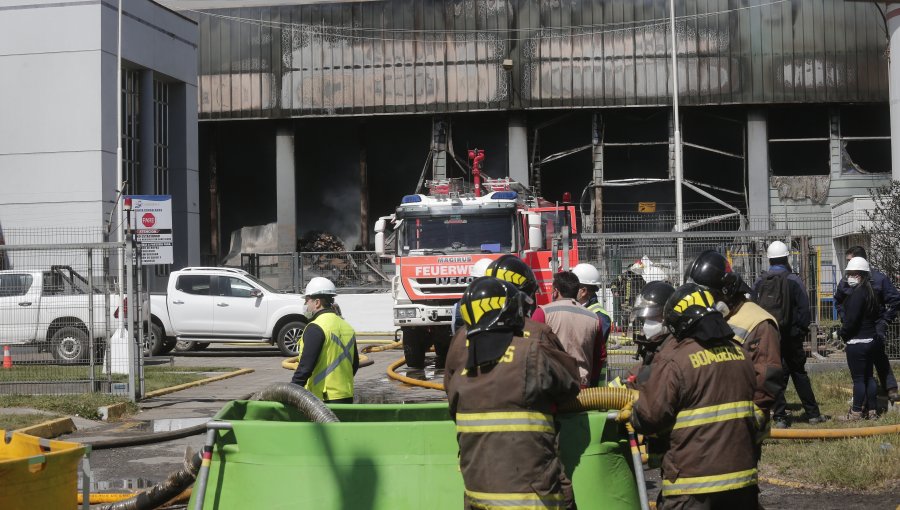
(341, 32)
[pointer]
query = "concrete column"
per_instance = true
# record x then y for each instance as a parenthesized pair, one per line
(757, 168)
(597, 174)
(518, 148)
(893, 18)
(285, 190)
(184, 180)
(146, 186)
(440, 131)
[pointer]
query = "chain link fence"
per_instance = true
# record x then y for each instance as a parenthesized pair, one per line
(59, 314)
(351, 271)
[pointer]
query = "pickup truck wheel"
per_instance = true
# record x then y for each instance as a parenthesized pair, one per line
(184, 346)
(153, 341)
(70, 345)
(289, 338)
(168, 345)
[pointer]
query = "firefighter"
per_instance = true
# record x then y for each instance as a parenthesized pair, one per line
(648, 319)
(328, 355)
(754, 328)
(588, 286)
(502, 397)
(700, 388)
(513, 270)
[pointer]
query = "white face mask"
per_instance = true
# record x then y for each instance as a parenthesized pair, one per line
(723, 308)
(853, 281)
(310, 310)
(653, 329)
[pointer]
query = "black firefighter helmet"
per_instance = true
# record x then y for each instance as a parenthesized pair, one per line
(711, 269)
(687, 305)
(514, 270)
(650, 304)
(494, 312)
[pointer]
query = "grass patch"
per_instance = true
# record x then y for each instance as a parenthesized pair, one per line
(85, 405)
(82, 405)
(18, 421)
(26, 373)
(870, 463)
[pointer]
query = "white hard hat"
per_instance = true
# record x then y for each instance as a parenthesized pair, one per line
(777, 250)
(587, 274)
(319, 286)
(480, 267)
(858, 264)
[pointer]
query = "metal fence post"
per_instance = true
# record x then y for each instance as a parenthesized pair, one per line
(139, 314)
(300, 261)
(129, 270)
(295, 272)
(91, 336)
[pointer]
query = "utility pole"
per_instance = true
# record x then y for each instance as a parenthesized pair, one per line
(679, 164)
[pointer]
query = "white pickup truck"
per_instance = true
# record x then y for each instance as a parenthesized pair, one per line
(217, 304)
(52, 309)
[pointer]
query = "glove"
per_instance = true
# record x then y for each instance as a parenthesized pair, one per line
(625, 412)
(834, 336)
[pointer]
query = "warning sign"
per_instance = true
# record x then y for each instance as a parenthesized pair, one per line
(646, 207)
(151, 224)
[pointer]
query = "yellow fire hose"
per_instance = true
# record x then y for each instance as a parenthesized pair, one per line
(98, 498)
(834, 433)
(292, 363)
(409, 380)
(379, 348)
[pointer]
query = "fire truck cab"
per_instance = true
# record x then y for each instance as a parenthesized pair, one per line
(438, 237)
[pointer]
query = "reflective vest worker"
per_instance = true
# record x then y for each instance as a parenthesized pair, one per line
(700, 390)
(577, 328)
(754, 328)
(502, 397)
(328, 355)
(588, 286)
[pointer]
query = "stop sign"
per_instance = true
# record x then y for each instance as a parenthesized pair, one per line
(148, 220)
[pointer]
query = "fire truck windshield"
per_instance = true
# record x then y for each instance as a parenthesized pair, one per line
(462, 233)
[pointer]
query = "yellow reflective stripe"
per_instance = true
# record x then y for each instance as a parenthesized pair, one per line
(713, 414)
(515, 500)
(513, 421)
(707, 484)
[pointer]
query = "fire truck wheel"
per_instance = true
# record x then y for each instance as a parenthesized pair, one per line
(414, 347)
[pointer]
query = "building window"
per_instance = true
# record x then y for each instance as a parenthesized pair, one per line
(161, 137)
(865, 137)
(799, 140)
(161, 148)
(131, 112)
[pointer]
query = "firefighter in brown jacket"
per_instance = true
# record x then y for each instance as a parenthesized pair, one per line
(754, 328)
(503, 398)
(700, 389)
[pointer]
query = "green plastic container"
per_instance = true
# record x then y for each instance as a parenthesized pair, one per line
(390, 456)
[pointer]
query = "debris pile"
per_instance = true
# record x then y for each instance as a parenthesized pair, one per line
(319, 241)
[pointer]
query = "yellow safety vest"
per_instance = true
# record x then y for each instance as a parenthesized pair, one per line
(746, 319)
(332, 376)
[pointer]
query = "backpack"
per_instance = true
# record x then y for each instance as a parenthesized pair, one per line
(774, 296)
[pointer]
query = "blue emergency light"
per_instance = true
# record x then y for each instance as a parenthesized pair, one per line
(411, 199)
(505, 195)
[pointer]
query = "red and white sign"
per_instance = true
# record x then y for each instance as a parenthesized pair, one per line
(151, 224)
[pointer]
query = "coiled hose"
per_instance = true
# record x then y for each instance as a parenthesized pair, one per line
(288, 394)
(378, 348)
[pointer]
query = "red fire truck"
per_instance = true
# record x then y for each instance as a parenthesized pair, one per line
(436, 239)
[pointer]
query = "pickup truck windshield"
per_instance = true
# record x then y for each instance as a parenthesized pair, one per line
(261, 283)
(458, 234)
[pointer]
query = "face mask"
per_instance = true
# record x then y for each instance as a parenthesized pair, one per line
(310, 311)
(653, 329)
(853, 281)
(723, 308)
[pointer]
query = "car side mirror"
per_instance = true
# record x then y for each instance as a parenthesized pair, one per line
(256, 293)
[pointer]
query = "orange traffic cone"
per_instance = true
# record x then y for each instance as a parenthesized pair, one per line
(7, 358)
